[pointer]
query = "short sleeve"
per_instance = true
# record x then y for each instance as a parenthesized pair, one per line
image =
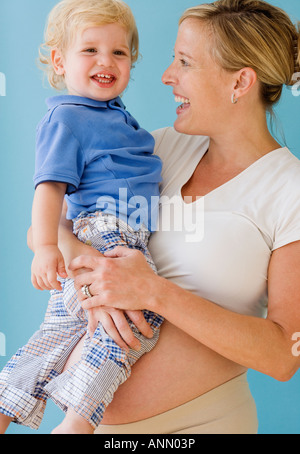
(288, 227)
(59, 156)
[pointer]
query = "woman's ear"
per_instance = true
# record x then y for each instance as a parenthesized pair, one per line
(57, 62)
(245, 79)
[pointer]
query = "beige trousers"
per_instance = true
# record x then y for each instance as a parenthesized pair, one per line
(228, 409)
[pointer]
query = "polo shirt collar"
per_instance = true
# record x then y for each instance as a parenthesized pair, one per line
(55, 101)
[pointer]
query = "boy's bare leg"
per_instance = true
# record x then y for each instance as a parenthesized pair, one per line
(75, 356)
(73, 424)
(4, 423)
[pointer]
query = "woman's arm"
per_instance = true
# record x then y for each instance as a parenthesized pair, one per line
(263, 345)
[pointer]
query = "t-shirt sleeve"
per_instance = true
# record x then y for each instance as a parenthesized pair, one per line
(59, 156)
(288, 227)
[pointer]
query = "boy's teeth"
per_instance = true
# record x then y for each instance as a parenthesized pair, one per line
(103, 76)
(182, 100)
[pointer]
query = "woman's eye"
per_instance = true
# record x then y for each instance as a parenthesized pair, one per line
(184, 62)
(181, 61)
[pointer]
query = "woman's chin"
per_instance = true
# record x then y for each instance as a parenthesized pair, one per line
(179, 126)
(183, 127)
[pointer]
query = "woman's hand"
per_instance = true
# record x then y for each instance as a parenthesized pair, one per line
(117, 327)
(124, 282)
(128, 268)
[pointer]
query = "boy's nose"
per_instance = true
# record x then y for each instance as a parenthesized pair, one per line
(105, 60)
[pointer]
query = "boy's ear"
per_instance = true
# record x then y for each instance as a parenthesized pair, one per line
(57, 62)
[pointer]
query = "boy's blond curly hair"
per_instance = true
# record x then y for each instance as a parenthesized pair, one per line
(74, 16)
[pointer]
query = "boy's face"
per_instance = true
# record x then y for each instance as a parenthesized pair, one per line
(97, 64)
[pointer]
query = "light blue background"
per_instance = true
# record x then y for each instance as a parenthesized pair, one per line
(22, 307)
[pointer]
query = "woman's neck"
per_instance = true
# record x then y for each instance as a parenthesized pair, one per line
(241, 146)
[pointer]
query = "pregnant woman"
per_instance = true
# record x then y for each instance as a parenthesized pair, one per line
(232, 59)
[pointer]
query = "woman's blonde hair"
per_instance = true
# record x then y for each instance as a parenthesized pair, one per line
(70, 17)
(253, 33)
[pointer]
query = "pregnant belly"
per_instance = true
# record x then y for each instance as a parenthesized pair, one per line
(178, 370)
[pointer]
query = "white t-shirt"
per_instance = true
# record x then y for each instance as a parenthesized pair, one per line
(222, 253)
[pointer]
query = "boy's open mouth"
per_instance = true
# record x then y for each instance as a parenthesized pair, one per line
(104, 79)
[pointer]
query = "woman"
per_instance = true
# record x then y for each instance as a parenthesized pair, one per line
(232, 59)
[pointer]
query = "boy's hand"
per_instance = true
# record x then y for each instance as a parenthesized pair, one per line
(48, 262)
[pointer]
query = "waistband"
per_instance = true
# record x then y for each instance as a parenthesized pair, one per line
(106, 222)
(229, 408)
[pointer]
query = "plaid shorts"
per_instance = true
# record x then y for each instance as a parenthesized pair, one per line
(35, 372)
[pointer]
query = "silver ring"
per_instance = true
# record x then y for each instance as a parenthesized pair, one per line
(85, 290)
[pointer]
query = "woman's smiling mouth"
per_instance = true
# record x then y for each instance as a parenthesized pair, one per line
(185, 104)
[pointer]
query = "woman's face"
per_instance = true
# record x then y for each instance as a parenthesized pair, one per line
(201, 86)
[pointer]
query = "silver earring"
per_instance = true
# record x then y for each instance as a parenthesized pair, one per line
(234, 100)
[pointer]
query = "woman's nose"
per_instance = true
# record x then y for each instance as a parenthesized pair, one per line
(169, 77)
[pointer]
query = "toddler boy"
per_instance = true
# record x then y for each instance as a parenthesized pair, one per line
(92, 153)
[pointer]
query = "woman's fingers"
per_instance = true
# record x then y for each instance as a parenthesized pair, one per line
(116, 326)
(85, 261)
(119, 251)
(106, 320)
(125, 331)
(138, 318)
(82, 279)
(92, 323)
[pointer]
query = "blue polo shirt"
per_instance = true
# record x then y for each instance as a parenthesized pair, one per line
(99, 150)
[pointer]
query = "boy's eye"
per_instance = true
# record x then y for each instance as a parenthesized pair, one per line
(92, 50)
(120, 52)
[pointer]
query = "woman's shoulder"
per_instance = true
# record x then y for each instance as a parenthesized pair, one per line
(292, 157)
(288, 225)
(289, 167)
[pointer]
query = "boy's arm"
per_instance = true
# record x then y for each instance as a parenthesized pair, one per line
(46, 214)
(69, 245)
